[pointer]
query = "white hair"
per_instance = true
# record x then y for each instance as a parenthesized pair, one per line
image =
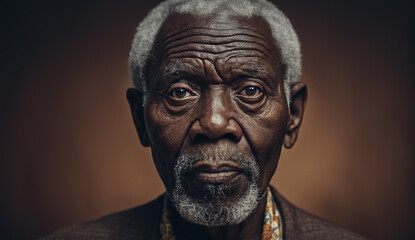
(209, 211)
(281, 28)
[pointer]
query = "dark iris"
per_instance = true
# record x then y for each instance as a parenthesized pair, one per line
(251, 91)
(179, 92)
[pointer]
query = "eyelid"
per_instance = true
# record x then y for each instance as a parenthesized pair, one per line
(173, 92)
(247, 101)
(173, 101)
(180, 84)
(259, 94)
(242, 85)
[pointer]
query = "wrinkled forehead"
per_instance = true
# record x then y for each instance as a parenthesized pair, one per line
(218, 33)
(218, 20)
(221, 23)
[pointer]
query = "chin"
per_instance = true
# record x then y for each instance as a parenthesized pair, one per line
(215, 202)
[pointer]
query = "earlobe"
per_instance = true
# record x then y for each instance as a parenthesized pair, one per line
(135, 99)
(297, 107)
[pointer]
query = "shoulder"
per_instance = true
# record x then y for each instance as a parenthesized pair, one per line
(298, 224)
(141, 222)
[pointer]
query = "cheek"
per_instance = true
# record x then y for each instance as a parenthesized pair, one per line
(164, 129)
(265, 133)
(166, 135)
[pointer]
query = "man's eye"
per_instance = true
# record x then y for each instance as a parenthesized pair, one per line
(251, 91)
(179, 93)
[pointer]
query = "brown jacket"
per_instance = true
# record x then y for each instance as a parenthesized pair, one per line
(143, 222)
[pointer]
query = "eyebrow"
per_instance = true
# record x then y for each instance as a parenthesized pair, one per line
(255, 68)
(175, 68)
(258, 69)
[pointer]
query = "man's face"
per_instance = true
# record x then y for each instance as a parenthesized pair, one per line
(216, 111)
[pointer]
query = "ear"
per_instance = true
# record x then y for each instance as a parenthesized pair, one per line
(135, 98)
(297, 106)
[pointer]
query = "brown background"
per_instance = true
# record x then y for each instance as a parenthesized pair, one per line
(69, 151)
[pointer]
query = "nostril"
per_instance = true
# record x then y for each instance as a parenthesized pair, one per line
(231, 137)
(201, 138)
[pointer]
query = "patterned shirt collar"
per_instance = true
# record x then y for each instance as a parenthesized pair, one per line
(271, 230)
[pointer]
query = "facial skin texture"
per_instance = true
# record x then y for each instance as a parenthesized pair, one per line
(217, 87)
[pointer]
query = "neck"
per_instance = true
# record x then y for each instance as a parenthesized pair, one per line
(250, 228)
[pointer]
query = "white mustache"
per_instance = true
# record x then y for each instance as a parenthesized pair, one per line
(247, 163)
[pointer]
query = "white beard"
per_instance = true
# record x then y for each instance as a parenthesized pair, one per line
(209, 212)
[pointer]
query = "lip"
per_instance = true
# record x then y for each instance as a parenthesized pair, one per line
(215, 172)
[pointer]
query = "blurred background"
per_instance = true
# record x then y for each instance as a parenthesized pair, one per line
(68, 147)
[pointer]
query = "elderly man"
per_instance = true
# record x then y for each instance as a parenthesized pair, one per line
(216, 96)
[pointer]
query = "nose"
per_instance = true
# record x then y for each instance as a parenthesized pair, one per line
(215, 121)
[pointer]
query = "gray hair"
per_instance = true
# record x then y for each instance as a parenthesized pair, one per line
(208, 211)
(281, 28)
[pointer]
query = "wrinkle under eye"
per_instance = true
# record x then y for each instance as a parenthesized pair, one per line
(251, 97)
(179, 97)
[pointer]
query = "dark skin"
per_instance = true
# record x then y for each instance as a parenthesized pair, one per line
(217, 84)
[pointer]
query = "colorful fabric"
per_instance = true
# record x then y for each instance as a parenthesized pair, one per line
(272, 228)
